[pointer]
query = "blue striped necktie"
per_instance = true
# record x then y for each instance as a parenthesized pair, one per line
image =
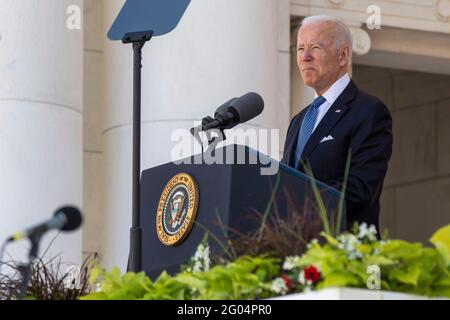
(307, 127)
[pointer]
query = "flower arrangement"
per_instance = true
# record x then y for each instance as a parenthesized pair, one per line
(359, 260)
(343, 261)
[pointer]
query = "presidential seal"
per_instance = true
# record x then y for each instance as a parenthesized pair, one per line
(177, 209)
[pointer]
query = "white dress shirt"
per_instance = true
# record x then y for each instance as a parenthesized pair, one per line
(331, 95)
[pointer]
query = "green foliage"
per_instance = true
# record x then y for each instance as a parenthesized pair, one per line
(341, 261)
(245, 278)
(405, 267)
(115, 286)
(441, 240)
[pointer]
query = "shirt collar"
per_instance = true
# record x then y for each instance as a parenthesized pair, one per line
(336, 89)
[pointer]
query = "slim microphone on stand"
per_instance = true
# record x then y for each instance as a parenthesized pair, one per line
(65, 219)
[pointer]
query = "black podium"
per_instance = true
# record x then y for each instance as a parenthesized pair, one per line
(230, 189)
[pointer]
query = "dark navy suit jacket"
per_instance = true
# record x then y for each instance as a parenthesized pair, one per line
(357, 122)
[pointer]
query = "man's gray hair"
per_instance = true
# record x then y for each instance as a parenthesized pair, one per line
(343, 33)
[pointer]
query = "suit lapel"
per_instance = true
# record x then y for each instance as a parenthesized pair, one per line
(331, 118)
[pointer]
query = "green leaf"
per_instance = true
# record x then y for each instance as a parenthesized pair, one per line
(399, 249)
(441, 240)
(339, 279)
(190, 280)
(95, 296)
(365, 249)
(441, 292)
(379, 260)
(331, 240)
(95, 274)
(410, 276)
(443, 282)
(322, 211)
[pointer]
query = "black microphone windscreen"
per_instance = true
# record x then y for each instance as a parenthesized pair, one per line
(248, 106)
(224, 108)
(73, 216)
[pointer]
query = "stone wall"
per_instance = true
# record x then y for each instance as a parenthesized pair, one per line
(416, 196)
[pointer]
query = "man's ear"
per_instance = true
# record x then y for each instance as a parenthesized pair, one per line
(344, 56)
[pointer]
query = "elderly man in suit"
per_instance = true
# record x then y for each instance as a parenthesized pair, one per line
(341, 118)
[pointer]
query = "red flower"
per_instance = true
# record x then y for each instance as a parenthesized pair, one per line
(311, 273)
(287, 281)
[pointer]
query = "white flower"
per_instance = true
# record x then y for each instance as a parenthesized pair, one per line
(197, 266)
(369, 233)
(278, 286)
(362, 230)
(348, 243)
(372, 233)
(307, 283)
(290, 262)
(301, 277)
(201, 259)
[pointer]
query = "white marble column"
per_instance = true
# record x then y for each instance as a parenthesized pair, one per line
(93, 116)
(220, 49)
(40, 119)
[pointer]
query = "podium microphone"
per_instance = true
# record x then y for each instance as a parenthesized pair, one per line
(64, 219)
(227, 116)
(235, 111)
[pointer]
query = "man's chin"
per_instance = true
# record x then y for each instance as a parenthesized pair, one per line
(309, 82)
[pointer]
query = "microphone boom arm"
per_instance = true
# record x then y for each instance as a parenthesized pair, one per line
(204, 127)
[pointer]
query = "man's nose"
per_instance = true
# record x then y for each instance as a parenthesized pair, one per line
(306, 56)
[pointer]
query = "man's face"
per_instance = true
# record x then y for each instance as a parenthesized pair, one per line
(318, 58)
